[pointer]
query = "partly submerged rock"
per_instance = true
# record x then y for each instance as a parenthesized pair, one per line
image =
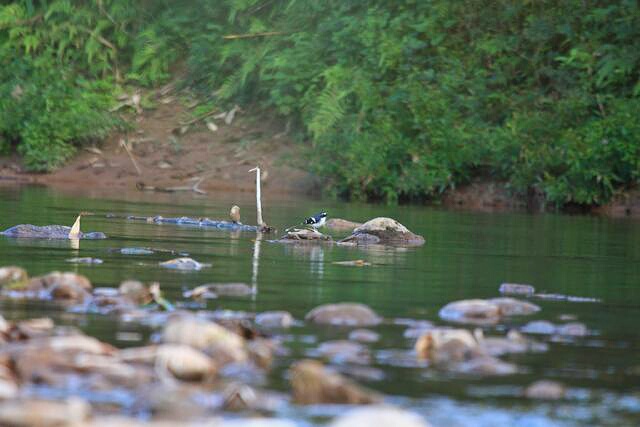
(514, 307)
(543, 327)
(445, 344)
(73, 412)
(343, 351)
(274, 319)
(545, 390)
(383, 231)
(339, 224)
(312, 383)
(61, 286)
(135, 291)
(516, 289)
(364, 335)
(474, 311)
(303, 235)
(485, 312)
(11, 275)
(181, 361)
(48, 232)
(213, 290)
(344, 314)
(85, 260)
(184, 264)
(217, 341)
(379, 416)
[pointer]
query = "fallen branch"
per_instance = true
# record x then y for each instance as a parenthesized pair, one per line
(133, 160)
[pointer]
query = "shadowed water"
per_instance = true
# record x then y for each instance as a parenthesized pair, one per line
(467, 255)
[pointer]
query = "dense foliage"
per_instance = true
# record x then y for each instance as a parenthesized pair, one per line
(401, 99)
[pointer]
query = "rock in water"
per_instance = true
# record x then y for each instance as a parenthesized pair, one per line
(48, 232)
(474, 311)
(312, 383)
(274, 319)
(184, 264)
(339, 224)
(383, 231)
(516, 289)
(344, 314)
(220, 343)
(12, 275)
(545, 390)
(379, 416)
(485, 312)
(43, 413)
(514, 307)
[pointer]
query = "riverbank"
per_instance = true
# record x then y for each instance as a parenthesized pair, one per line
(211, 155)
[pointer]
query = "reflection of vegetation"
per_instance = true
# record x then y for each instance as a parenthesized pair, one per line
(399, 99)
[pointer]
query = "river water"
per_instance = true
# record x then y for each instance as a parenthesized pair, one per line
(467, 255)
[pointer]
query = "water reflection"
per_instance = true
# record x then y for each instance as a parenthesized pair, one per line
(313, 252)
(255, 265)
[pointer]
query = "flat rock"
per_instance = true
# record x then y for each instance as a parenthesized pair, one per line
(473, 311)
(383, 231)
(516, 289)
(304, 235)
(229, 289)
(85, 260)
(379, 416)
(514, 307)
(184, 264)
(312, 383)
(344, 314)
(343, 351)
(542, 327)
(29, 231)
(364, 335)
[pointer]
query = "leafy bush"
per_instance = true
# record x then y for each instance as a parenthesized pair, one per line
(394, 100)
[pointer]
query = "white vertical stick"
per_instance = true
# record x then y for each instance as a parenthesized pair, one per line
(258, 196)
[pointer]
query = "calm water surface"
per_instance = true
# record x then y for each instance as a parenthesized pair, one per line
(467, 255)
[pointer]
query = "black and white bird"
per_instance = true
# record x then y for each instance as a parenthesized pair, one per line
(316, 221)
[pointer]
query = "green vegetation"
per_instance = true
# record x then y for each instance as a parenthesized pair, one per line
(396, 100)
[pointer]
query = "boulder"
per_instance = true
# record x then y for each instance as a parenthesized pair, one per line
(383, 231)
(312, 383)
(516, 289)
(379, 416)
(183, 362)
(344, 314)
(221, 344)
